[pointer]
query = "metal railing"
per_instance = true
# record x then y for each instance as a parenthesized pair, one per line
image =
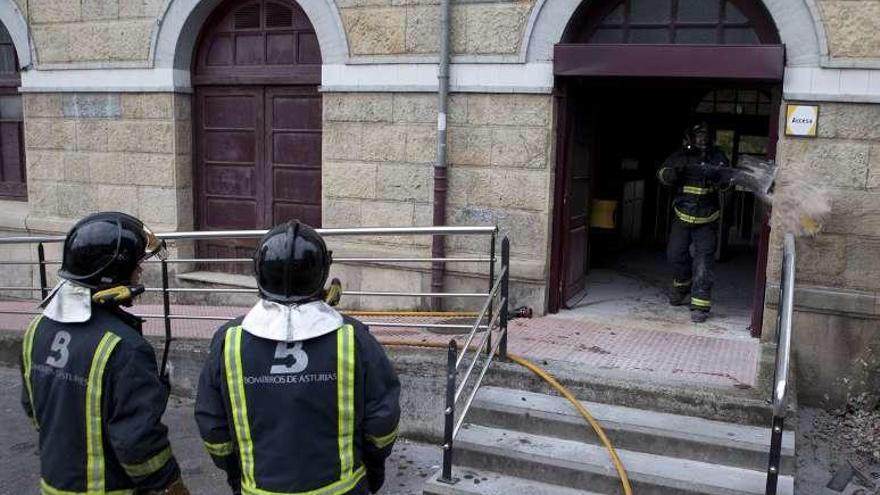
(783, 361)
(485, 351)
(166, 290)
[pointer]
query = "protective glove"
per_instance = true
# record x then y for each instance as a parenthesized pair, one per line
(176, 488)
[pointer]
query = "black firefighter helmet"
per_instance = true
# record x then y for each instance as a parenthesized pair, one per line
(292, 264)
(104, 249)
(698, 137)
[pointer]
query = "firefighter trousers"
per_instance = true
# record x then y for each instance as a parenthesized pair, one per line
(691, 252)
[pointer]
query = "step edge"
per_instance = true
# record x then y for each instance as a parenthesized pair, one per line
(601, 469)
(481, 401)
(433, 481)
(573, 418)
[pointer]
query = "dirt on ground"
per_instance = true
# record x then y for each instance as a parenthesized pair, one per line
(844, 443)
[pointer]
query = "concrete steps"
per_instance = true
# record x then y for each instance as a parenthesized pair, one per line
(525, 442)
(632, 429)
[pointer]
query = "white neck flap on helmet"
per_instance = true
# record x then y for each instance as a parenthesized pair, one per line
(68, 303)
(291, 323)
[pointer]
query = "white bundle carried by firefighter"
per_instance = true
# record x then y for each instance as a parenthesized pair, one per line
(800, 203)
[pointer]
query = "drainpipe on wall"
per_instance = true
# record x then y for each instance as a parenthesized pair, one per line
(438, 247)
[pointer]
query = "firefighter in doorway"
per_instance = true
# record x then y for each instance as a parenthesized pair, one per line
(294, 397)
(697, 172)
(91, 384)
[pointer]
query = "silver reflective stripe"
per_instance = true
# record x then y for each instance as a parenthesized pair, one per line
(345, 398)
(340, 487)
(94, 433)
(238, 402)
(27, 360)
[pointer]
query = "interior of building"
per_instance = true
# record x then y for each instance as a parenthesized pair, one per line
(621, 132)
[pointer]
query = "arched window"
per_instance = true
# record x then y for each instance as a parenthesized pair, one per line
(715, 22)
(13, 184)
(265, 39)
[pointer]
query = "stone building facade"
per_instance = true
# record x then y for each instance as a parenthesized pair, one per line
(108, 124)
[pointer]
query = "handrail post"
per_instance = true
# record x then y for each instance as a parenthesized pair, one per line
(491, 286)
(449, 413)
(166, 314)
(775, 455)
(783, 360)
(505, 292)
(41, 258)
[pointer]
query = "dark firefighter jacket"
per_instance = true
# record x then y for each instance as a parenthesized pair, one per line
(697, 180)
(94, 394)
(309, 417)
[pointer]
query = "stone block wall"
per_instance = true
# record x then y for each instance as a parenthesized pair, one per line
(846, 157)
(412, 27)
(114, 31)
(95, 31)
(851, 27)
(837, 304)
(127, 152)
(379, 151)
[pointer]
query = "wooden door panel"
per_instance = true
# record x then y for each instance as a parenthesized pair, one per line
(309, 52)
(229, 169)
(576, 248)
(296, 110)
(280, 49)
(223, 213)
(298, 186)
(231, 146)
(576, 266)
(249, 49)
(230, 111)
(294, 148)
(293, 128)
(306, 213)
(230, 180)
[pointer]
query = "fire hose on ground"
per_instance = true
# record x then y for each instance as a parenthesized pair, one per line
(334, 293)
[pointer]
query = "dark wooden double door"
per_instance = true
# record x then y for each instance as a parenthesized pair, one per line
(258, 160)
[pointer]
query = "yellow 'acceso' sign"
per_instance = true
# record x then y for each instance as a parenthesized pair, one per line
(801, 120)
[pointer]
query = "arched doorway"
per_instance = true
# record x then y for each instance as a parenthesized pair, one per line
(257, 125)
(630, 76)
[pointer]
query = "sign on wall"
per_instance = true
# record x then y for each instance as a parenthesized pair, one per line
(801, 120)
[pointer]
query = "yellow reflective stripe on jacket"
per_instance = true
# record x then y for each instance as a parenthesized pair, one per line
(238, 401)
(150, 466)
(386, 440)
(219, 449)
(676, 283)
(345, 398)
(27, 359)
(47, 489)
(702, 303)
(697, 190)
(684, 217)
(344, 485)
(94, 423)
